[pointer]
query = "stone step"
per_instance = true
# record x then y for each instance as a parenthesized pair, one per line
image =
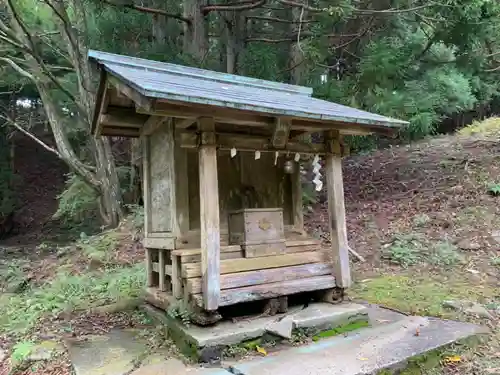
(363, 352)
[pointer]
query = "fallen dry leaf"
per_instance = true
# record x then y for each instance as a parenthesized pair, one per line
(261, 350)
(453, 359)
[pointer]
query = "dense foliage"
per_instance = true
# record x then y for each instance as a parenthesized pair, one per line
(423, 61)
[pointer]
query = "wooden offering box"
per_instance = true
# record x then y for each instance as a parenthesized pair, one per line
(259, 231)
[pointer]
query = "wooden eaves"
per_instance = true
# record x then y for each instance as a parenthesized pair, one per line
(128, 108)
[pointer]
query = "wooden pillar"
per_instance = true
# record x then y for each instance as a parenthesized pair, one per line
(336, 210)
(161, 270)
(297, 206)
(209, 215)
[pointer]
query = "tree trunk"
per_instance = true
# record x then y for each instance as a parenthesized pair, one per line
(235, 39)
(296, 54)
(103, 178)
(196, 32)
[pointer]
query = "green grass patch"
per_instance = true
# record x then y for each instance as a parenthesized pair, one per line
(423, 296)
(66, 292)
(408, 250)
(350, 327)
(100, 246)
(489, 126)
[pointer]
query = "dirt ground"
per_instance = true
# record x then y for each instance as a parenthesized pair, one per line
(425, 217)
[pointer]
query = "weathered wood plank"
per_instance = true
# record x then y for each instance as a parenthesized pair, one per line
(308, 242)
(161, 270)
(251, 264)
(223, 256)
(336, 211)
(223, 249)
(176, 277)
(258, 292)
(167, 268)
(209, 216)
(166, 243)
(241, 279)
(235, 251)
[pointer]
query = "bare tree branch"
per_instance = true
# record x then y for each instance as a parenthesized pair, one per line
(268, 40)
(17, 68)
(144, 9)
(359, 11)
(235, 7)
(281, 20)
(33, 137)
(33, 53)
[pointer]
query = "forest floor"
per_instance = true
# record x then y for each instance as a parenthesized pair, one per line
(425, 217)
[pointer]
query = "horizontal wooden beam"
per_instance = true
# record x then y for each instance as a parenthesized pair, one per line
(251, 143)
(116, 131)
(242, 279)
(251, 264)
(222, 115)
(168, 268)
(265, 291)
(122, 120)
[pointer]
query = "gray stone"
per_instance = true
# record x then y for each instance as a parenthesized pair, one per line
(479, 310)
(470, 308)
(496, 236)
(229, 333)
(113, 354)
(281, 328)
(467, 244)
(319, 315)
(44, 351)
(159, 366)
(364, 352)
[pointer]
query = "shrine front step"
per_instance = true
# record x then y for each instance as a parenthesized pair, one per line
(201, 343)
(383, 348)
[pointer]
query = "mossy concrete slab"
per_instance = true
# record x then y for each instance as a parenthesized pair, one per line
(116, 353)
(363, 352)
(230, 333)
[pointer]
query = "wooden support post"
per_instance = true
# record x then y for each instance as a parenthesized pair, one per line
(209, 215)
(149, 267)
(297, 206)
(146, 184)
(336, 210)
(281, 131)
(176, 277)
(161, 270)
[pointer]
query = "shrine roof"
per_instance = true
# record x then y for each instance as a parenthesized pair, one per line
(186, 85)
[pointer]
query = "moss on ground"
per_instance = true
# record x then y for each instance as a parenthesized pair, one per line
(350, 327)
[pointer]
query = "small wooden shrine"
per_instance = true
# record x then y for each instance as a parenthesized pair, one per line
(222, 183)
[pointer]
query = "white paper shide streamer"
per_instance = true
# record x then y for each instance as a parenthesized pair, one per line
(317, 175)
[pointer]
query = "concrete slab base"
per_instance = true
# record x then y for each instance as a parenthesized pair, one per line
(364, 352)
(200, 342)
